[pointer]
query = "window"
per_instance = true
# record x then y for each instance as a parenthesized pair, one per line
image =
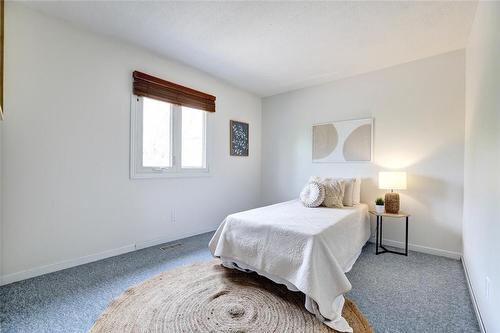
(169, 126)
(193, 138)
(156, 134)
(168, 140)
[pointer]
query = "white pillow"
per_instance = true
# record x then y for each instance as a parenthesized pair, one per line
(348, 192)
(316, 179)
(356, 193)
(313, 194)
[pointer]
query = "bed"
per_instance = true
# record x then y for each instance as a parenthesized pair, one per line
(306, 249)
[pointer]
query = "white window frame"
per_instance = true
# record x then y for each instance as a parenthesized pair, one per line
(137, 171)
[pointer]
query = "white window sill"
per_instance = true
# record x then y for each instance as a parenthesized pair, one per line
(159, 175)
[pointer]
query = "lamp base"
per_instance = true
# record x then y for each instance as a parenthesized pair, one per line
(392, 203)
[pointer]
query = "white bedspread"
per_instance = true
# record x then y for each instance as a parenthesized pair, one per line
(307, 249)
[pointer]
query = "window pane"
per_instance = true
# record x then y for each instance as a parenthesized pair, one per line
(156, 133)
(193, 138)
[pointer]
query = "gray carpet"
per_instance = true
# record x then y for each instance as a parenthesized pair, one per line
(419, 293)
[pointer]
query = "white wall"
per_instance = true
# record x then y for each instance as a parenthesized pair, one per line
(1, 223)
(481, 224)
(67, 192)
(418, 110)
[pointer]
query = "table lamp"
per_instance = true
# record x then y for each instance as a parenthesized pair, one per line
(392, 180)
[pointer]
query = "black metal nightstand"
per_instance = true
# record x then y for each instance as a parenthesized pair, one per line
(378, 238)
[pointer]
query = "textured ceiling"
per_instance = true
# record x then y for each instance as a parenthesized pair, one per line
(272, 47)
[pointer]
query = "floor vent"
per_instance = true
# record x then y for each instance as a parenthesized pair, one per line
(169, 247)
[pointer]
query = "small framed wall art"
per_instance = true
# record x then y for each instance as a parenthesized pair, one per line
(238, 138)
(343, 141)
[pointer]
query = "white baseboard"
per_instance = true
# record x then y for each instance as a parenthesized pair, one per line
(420, 248)
(37, 271)
(473, 297)
(41, 270)
(167, 239)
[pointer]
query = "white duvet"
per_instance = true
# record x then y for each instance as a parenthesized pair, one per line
(307, 249)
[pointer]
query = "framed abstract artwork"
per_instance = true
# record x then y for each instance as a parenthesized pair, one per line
(343, 141)
(238, 138)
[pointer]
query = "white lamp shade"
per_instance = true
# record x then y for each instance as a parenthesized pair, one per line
(392, 180)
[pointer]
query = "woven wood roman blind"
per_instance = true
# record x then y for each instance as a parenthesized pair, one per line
(153, 87)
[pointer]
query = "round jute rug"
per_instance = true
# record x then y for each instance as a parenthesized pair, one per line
(207, 297)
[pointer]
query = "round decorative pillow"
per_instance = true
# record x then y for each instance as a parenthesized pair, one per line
(313, 194)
